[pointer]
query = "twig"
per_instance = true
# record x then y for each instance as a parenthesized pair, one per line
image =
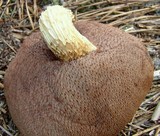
(19, 9)
(9, 46)
(2, 72)
(4, 130)
(22, 8)
(29, 16)
(135, 126)
(157, 132)
(1, 2)
(145, 30)
(144, 10)
(151, 98)
(146, 130)
(35, 12)
(156, 114)
(1, 86)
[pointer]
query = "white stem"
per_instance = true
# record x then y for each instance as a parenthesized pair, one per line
(61, 36)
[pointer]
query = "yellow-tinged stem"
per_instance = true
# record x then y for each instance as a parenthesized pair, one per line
(61, 36)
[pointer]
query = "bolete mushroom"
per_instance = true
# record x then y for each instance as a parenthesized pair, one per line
(89, 82)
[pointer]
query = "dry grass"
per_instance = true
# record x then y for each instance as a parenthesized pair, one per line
(19, 18)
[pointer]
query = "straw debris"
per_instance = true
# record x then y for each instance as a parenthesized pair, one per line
(19, 18)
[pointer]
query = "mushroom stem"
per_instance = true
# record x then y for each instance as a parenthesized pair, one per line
(61, 36)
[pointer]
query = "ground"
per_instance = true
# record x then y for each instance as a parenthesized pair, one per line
(141, 18)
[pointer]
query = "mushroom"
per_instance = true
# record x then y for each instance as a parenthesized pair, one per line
(89, 82)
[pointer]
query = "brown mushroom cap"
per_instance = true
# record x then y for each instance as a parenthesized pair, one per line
(95, 95)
